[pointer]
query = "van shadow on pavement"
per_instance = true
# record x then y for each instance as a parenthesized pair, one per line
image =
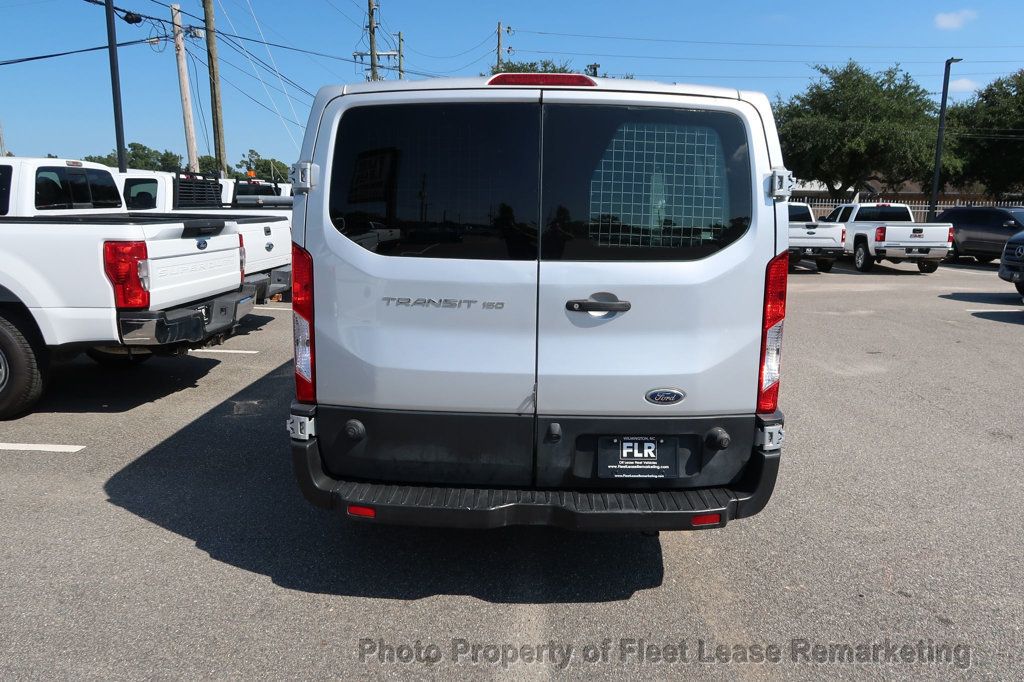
(1010, 297)
(226, 482)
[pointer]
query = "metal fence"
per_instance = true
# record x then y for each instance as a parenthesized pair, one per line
(822, 206)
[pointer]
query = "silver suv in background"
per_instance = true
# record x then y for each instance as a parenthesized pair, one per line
(578, 318)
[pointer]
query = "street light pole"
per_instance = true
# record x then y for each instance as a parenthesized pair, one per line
(115, 86)
(932, 205)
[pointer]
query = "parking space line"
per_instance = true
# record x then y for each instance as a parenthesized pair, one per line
(994, 310)
(224, 350)
(41, 447)
(270, 307)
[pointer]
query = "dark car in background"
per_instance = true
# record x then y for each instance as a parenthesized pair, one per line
(980, 231)
(1011, 264)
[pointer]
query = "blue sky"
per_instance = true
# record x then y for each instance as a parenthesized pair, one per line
(63, 106)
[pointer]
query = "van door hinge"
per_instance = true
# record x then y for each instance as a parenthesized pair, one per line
(304, 176)
(782, 184)
(301, 428)
(770, 437)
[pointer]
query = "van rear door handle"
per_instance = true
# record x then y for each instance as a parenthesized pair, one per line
(591, 306)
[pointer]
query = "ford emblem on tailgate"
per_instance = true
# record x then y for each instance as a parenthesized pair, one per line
(201, 244)
(665, 396)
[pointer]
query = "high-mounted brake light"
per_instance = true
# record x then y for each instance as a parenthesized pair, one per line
(880, 233)
(775, 281)
(128, 270)
(572, 79)
(302, 325)
(241, 256)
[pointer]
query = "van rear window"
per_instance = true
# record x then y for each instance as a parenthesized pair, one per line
(642, 184)
(439, 180)
(464, 181)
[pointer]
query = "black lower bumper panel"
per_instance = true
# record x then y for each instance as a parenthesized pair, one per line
(194, 323)
(479, 507)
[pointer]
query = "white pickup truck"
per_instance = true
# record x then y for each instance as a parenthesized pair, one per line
(268, 239)
(820, 241)
(78, 273)
(877, 232)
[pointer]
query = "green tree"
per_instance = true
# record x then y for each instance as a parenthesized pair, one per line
(208, 165)
(141, 157)
(982, 132)
(543, 66)
(266, 169)
(852, 126)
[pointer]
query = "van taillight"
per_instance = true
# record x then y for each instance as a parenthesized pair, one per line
(541, 79)
(880, 233)
(302, 325)
(241, 256)
(771, 333)
(128, 270)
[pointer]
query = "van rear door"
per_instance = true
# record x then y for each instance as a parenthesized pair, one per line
(428, 337)
(652, 267)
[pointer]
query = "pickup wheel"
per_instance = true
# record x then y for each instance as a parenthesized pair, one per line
(862, 258)
(824, 264)
(118, 360)
(22, 369)
(927, 265)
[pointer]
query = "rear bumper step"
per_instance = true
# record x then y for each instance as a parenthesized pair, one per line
(816, 251)
(194, 323)
(479, 507)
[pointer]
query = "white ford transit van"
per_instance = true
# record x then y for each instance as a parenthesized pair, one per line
(576, 318)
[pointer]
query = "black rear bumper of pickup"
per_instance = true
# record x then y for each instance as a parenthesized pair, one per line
(575, 508)
(815, 251)
(193, 323)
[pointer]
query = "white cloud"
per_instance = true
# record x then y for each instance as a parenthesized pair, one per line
(951, 21)
(963, 85)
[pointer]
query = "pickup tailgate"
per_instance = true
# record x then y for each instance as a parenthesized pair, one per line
(268, 243)
(185, 265)
(817, 235)
(916, 234)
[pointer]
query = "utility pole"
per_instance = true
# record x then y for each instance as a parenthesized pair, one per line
(115, 86)
(183, 87)
(401, 57)
(215, 106)
(372, 29)
(933, 204)
(497, 61)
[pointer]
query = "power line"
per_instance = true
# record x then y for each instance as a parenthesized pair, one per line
(22, 60)
(270, 54)
(199, 102)
(750, 60)
(243, 92)
(750, 44)
(454, 56)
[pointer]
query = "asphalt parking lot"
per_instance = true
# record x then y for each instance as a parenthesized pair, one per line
(175, 543)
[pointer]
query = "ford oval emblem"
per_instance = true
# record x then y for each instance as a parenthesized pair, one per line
(664, 396)
(201, 244)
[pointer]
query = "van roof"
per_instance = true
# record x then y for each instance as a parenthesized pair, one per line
(606, 84)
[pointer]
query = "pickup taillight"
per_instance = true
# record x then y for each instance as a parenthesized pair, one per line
(241, 256)
(880, 233)
(949, 237)
(842, 239)
(127, 268)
